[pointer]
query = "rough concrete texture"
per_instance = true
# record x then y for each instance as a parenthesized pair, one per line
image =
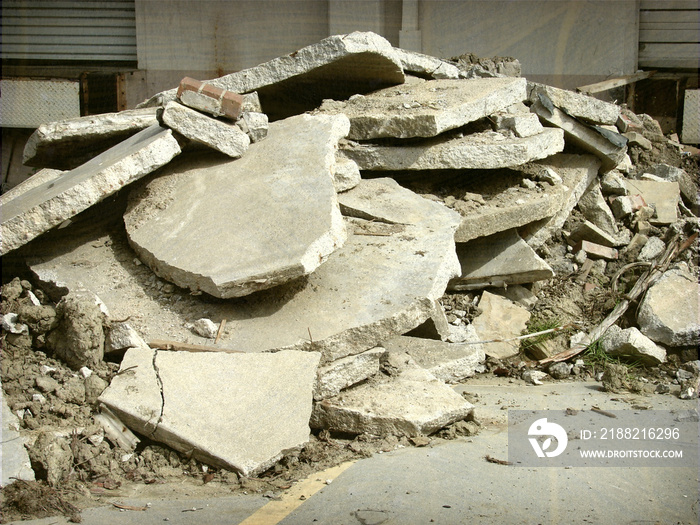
(578, 105)
(241, 412)
(685, 182)
(435, 327)
(577, 173)
(632, 344)
(120, 337)
(39, 209)
(65, 143)
(498, 260)
(500, 318)
(254, 124)
(14, 457)
(218, 134)
(583, 136)
(412, 402)
(45, 176)
(485, 150)
(590, 232)
(337, 67)
(381, 283)
(668, 313)
(595, 208)
(522, 124)
(346, 174)
(449, 362)
(542, 201)
(244, 210)
(663, 196)
(426, 109)
(425, 65)
(347, 371)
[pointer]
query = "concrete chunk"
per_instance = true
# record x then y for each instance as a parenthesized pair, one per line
(253, 124)
(210, 99)
(668, 313)
(500, 319)
(590, 232)
(426, 109)
(383, 282)
(595, 208)
(449, 362)
(347, 371)
(685, 182)
(67, 144)
(662, 195)
(217, 134)
(244, 210)
(498, 260)
(596, 251)
(631, 343)
(39, 209)
(578, 105)
(346, 174)
(412, 403)
(611, 154)
(425, 65)
(522, 124)
(486, 150)
(260, 403)
(15, 459)
(336, 67)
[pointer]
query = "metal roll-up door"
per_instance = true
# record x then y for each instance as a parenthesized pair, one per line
(73, 31)
(669, 34)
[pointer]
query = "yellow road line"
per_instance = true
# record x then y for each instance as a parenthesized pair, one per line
(277, 510)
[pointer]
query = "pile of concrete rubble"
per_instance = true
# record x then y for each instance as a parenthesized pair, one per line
(290, 229)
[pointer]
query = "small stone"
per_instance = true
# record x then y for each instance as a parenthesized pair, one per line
(206, 328)
(662, 388)
(46, 384)
(38, 398)
(533, 376)
(560, 370)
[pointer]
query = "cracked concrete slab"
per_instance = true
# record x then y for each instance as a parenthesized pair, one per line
(425, 65)
(425, 109)
(337, 67)
(575, 104)
(33, 212)
(664, 196)
(67, 144)
(500, 318)
(241, 412)
(485, 150)
(347, 371)
(413, 402)
(259, 221)
(449, 362)
(383, 282)
(502, 259)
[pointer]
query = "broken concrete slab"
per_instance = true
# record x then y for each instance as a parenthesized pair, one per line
(15, 460)
(498, 260)
(585, 107)
(346, 174)
(45, 176)
(244, 210)
(39, 209)
(347, 371)
(595, 208)
(522, 124)
(663, 196)
(595, 251)
(337, 67)
(435, 326)
(67, 144)
(485, 150)
(254, 124)
(425, 65)
(590, 232)
(685, 182)
(412, 403)
(577, 173)
(222, 136)
(500, 318)
(583, 136)
(383, 282)
(425, 109)
(260, 402)
(449, 362)
(668, 313)
(632, 344)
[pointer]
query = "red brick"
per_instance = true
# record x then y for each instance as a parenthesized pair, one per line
(222, 102)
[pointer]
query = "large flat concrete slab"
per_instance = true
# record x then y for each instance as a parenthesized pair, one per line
(337, 67)
(241, 412)
(42, 207)
(499, 260)
(381, 283)
(485, 150)
(426, 109)
(265, 219)
(425, 65)
(413, 403)
(663, 195)
(67, 144)
(585, 107)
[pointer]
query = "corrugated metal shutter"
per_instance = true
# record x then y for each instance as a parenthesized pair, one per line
(76, 30)
(669, 34)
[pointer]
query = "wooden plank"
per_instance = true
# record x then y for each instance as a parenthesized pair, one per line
(611, 83)
(669, 35)
(669, 16)
(668, 4)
